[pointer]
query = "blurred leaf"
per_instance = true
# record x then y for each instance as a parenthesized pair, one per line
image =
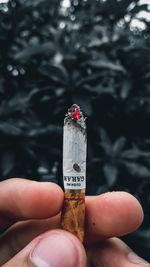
(125, 89)
(105, 65)
(105, 142)
(144, 233)
(7, 162)
(10, 129)
(41, 3)
(134, 154)
(99, 89)
(88, 79)
(33, 3)
(147, 75)
(137, 169)
(138, 8)
(32, 50)
(118, 145)
(57, 73)
(50, 129)
(17, 103)
(96, 42)
(111, 174)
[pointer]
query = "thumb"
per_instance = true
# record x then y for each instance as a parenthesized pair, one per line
(52, 249)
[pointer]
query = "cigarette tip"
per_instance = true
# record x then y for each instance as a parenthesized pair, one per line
(74, 112)
(76, 116)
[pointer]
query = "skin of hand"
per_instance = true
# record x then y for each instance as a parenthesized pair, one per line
(30, 222)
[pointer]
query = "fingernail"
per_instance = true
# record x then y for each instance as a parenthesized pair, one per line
(133, 258)
(55, 251)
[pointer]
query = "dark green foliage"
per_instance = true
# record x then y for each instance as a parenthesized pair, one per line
(52, 57)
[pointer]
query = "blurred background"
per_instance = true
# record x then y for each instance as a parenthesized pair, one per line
(95, 53)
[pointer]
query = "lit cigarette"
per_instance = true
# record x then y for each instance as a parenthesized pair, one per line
(74, 172)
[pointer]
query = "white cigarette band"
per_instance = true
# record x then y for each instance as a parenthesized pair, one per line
(74, 182)
(74, 155)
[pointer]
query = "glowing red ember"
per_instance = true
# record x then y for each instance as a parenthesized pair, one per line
(76, 114)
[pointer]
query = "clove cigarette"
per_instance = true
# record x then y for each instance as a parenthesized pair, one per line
(74, 172)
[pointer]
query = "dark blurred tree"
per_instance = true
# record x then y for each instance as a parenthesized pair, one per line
(55, 53)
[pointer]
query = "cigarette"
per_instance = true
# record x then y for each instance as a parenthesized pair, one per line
(74, 172)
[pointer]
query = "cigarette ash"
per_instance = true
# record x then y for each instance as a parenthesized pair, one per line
(75, 116)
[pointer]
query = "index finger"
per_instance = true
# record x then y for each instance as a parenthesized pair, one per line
(22, 199)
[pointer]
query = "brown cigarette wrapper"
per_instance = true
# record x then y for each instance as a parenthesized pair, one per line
(73, 214)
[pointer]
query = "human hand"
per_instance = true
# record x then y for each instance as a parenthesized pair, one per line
(31, 213)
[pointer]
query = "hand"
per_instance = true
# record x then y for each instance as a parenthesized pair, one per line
(31, 213)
